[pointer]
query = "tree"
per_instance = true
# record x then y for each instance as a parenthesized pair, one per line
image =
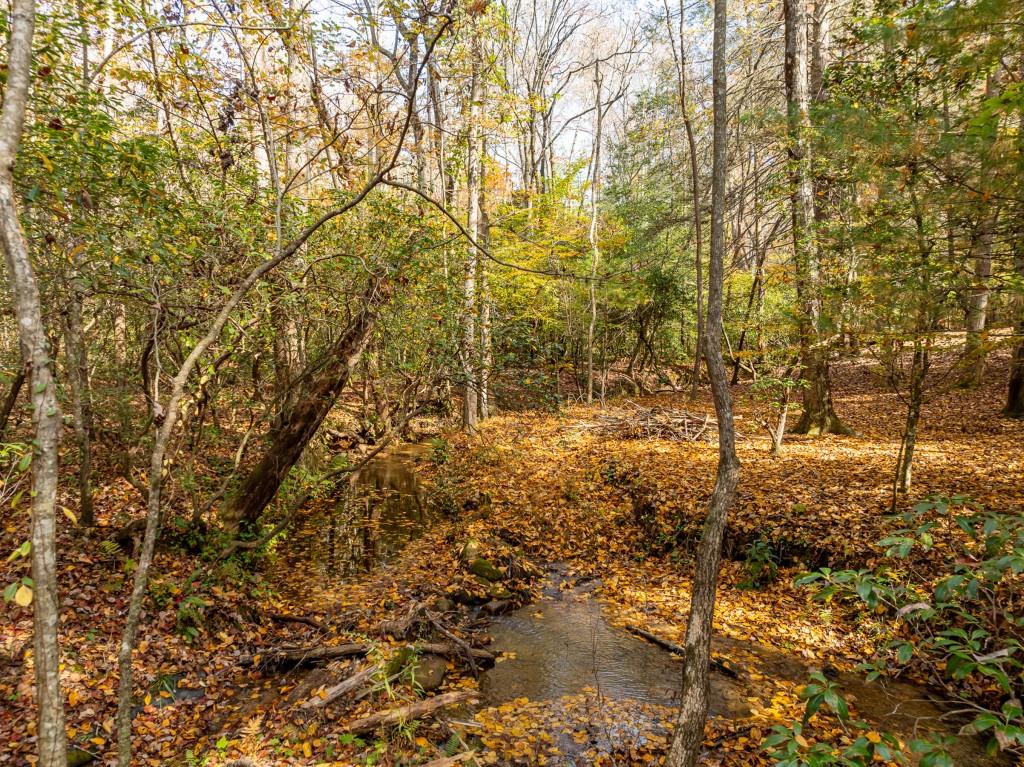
(46, 415)
(818, 415)
(679, 59)
(693, 707)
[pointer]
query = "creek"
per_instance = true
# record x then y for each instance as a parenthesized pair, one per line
(563, 644)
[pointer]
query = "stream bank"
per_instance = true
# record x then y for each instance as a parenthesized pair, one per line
(569, 685)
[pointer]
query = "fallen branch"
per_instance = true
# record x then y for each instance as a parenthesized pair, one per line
(679, 649)
(282, 618)
(453, 651)
(354, 682)
(639, 422)
(415, 710)
(301, 656)
(403, 627)
(461, 643)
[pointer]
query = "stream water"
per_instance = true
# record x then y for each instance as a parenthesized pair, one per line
(563, 644)
(383, 509)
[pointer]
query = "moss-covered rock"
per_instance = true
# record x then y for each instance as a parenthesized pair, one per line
(486, 569)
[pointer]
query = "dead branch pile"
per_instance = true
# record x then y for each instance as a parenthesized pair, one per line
(639, 422)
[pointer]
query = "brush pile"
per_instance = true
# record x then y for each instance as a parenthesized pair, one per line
(638, 422)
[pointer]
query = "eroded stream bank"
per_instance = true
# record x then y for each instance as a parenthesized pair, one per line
(568, 683)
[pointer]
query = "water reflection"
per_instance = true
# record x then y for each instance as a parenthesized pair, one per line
(367, 522)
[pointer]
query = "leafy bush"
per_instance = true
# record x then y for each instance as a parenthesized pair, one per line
(789, 748)
(962, 624)
(761, 565)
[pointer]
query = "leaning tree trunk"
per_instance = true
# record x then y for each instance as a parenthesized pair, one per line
(694, 695)
(46, 416)
(323, 381)
(10, 400)
(819, 415)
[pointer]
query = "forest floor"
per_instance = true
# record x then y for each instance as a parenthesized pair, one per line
(530, 491)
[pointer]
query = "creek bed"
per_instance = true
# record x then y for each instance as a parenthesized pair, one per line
(562, 649)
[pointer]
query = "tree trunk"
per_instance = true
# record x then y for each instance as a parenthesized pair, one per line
(819, 415)
(486, 350)
(918, 373)
(689, 732)
(295, 427)
(81, 396)
(779, 433)
(469, 288)
(1015, 385)
(680, 63)
(981, 254)
(595, 250)
(1015, 388)
(46, 416)
(10, 400)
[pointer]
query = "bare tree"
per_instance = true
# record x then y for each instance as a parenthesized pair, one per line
(694, 695)
(46, 416)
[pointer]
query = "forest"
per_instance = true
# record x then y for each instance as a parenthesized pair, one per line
(512, 382)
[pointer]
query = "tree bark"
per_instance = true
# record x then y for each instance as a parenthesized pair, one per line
(469, 287)
(595, 250)
(81, 395)
(1015, 385)
(11, 399)
(296, 425)
(689, 733)
(818, 415)
(409, 712)
(918, 373)
(486, 348)
(981, 254)
(46, 416)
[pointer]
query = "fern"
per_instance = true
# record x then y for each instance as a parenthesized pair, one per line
(451, 748)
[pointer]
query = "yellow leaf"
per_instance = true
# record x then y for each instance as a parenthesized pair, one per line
(874, 737)
(23, 596)
(148, 699)
(69, 514)
(73, 697)
(307, 749)
(801, 741)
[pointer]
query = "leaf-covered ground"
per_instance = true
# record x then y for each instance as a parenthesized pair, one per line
(532, 489)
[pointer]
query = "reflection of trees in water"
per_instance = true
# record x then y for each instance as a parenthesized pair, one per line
(373, 519)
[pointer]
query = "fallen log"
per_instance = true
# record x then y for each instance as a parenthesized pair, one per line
(354, 682)
(678, 649)
(415, 710)
(453, 651)
(301, 656)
